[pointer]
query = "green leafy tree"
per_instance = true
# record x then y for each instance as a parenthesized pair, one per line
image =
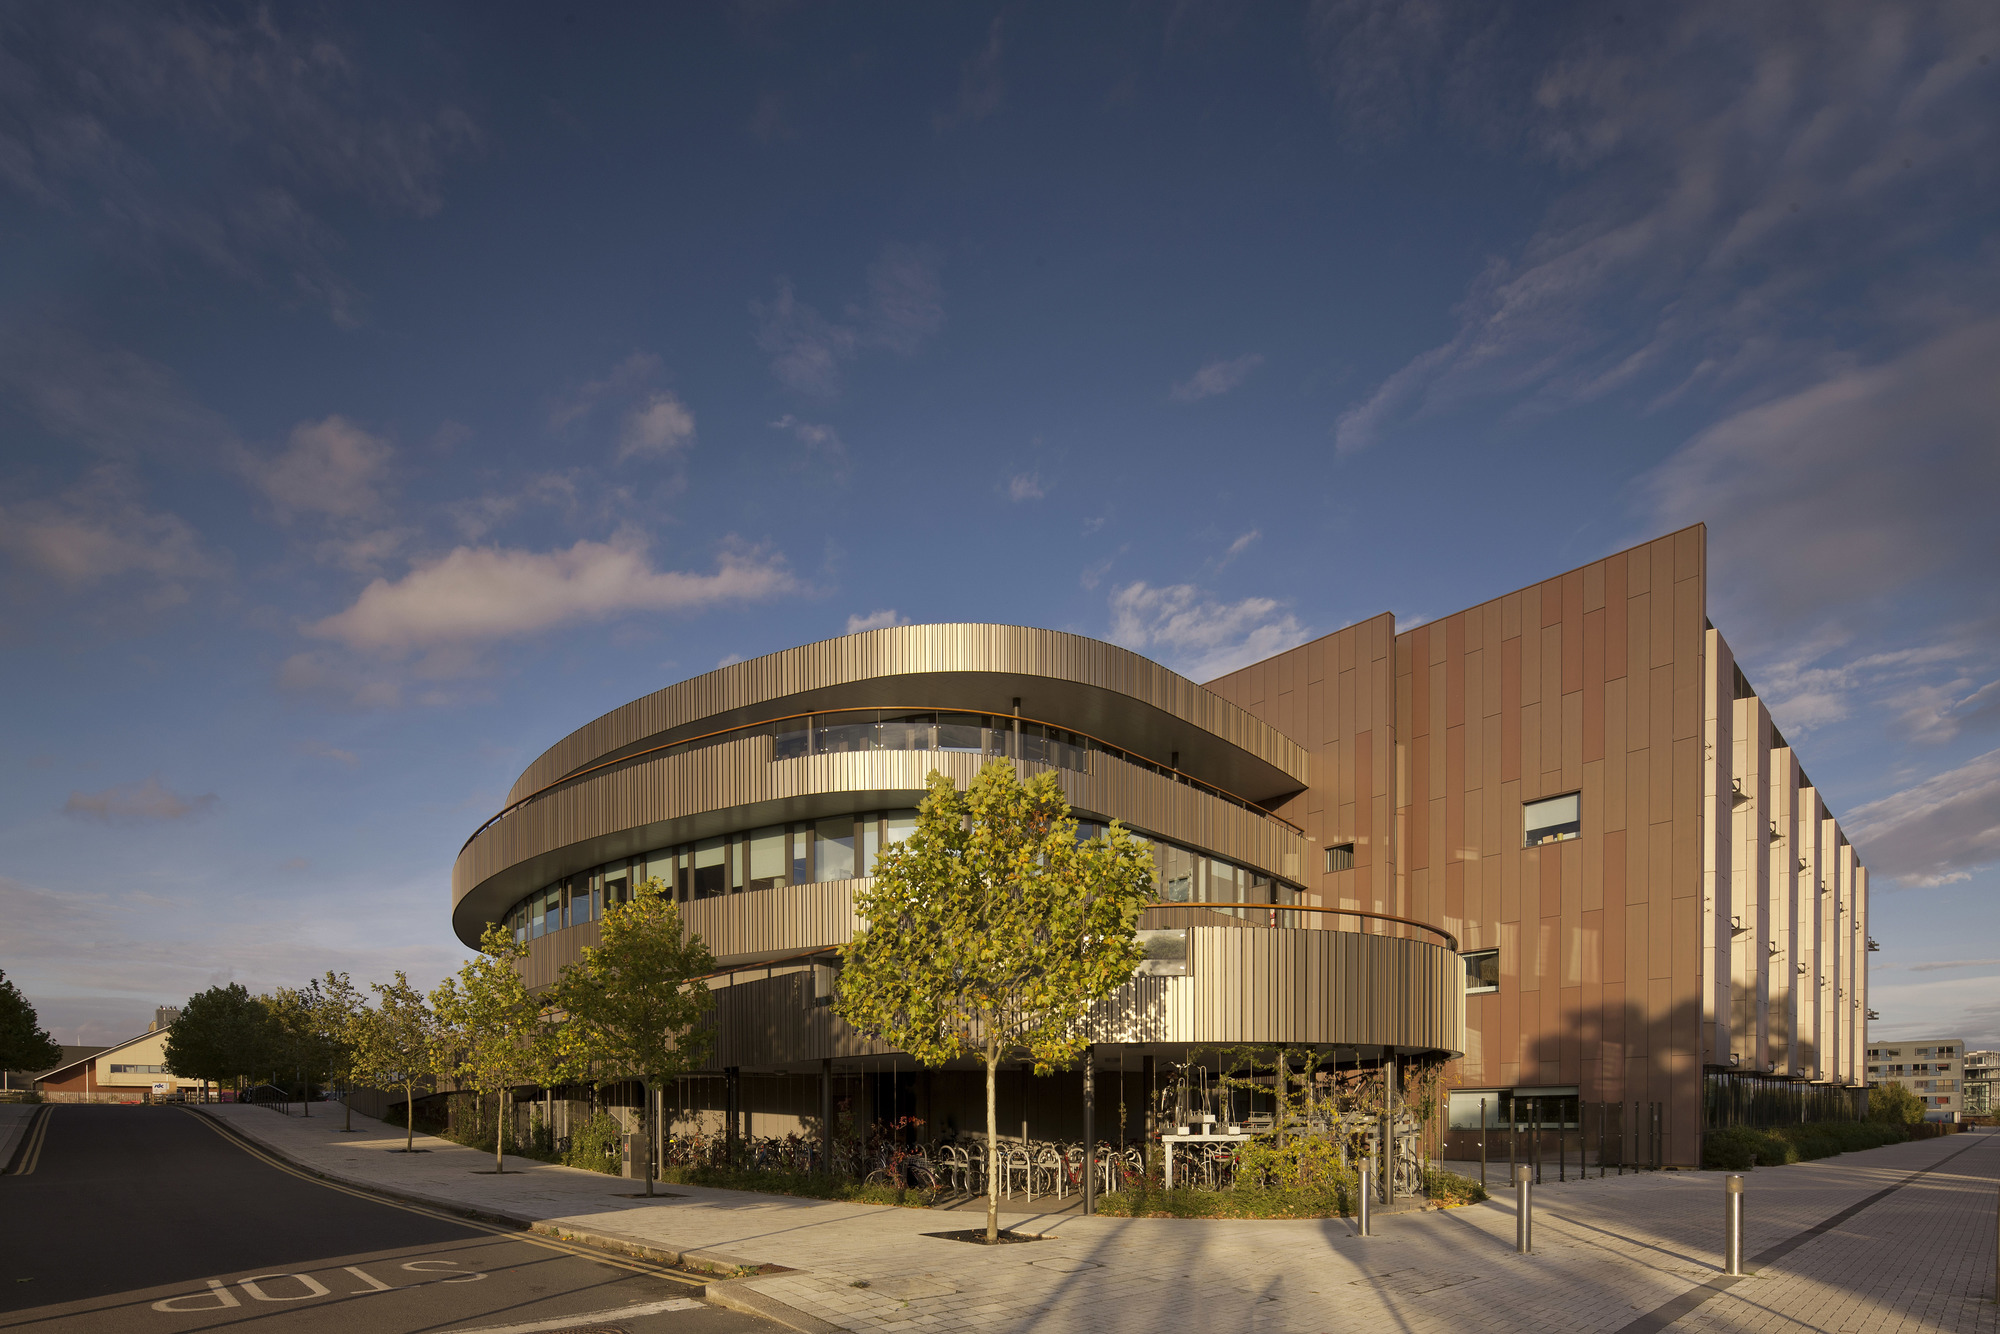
(1894, 1104)
(335, 1004)
(496, 1031)
(992, 931)
(24, 1043)
(396, 1045)
(301, 1044)
(634, 1006)
(223, 1034)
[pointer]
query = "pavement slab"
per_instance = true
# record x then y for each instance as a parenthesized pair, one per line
(1609, 1253)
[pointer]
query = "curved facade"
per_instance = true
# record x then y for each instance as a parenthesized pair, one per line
(762, 791)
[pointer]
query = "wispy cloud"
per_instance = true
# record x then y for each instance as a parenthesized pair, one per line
(1715, 207)
(1937, 832)
(1217, 377)
(822, 443)
(1239, 546)
(659, 425)
(809, 352)
(651, 421)
(137, 803)
(1195, 634)
(1024, 486)
(981, 87)
(289, 120)
(1951, 963)
(321, 750)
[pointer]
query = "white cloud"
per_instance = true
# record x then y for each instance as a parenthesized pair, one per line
(330, 467)
(1937, 832)
(875, 620)
(1197, 636)
(1217, 377)
(98, 530)
(809, 352)
(476, 595)
(659, 425)
(1025, 486)
(136, 803)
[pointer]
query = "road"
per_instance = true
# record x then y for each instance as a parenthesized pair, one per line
(151, 1219)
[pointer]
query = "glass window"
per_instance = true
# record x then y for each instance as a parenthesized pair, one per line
(1340, 857)
(789, 745)
(871, 843)
(537, 922)
(767, 857)
(660, 867)
(1482, 971)
(1178, 869)
(1550, 820)
(833, 849)
(961, 731)
(709, 872)
(1462, 1112)
(801, 854)
(898, 825)
(1166, 953)
(910, 731)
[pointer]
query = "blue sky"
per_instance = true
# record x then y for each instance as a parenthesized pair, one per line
(385, 392)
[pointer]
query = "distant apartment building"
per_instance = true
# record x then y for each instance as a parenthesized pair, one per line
(1931, 1068)
(1981, 1068)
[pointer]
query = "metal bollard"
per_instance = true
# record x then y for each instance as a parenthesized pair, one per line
(1524, 1210)
(1732, 1225)
(1366, 1204)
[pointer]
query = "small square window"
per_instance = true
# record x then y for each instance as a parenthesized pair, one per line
(1340, 857)
(1482, 971)
(1550, 820)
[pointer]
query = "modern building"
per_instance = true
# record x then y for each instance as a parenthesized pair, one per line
(1935, 1069)
(127, 1071)
(1553, 840)
(1982, 1068)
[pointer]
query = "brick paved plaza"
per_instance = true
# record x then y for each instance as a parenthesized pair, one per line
(1610, 1254)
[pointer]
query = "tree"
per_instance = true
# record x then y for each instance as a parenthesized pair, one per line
(992, 931)
(24, 1043)
(223, 1033)
(300, 1042)
(634, 1007)
(1894, 1104)
(396, 1045)
(494, 1028)
(335, 1004)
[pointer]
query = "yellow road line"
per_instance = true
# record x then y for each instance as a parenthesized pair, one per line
(532, 1239)
(37, 1133)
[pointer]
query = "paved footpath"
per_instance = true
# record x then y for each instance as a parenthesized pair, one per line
(1910, 1247)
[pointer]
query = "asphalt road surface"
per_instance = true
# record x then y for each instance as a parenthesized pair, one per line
(150, 1220)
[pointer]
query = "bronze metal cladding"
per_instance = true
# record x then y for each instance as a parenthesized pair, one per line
(662, 800)
(1336, 988)
(1095, 687)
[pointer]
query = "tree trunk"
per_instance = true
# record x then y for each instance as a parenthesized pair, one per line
(409, 1117)
(992, 1139)
(646, 1125)
(348, 1099)
(499, 1130)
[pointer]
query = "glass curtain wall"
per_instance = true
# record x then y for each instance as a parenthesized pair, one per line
(844, 847)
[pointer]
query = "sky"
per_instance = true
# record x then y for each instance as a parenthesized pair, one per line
(386, 391)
